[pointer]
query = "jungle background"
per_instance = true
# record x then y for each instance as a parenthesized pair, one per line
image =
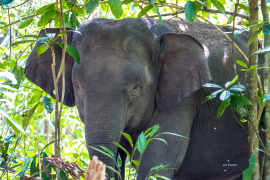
(31, 118)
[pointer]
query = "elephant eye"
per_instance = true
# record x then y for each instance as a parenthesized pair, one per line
(135, 89)
(78, 87)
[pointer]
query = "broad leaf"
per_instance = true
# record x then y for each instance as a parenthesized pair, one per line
(238, 87)
(141, 143)
(42, 49)
(7, 87)
(144, 11)
(241, 63)
(47, 104)
(43, 39)
(266, 98)
(116, 8)
(25, 167)
(34, 167)
(44, 175)
(225, 95)
(14, 125)
(213, 95)
(71, 51)
(63, 175)
(154, 130)
(26, 23)
(92, 4)
(190, 11)
(46, 8)
(47, 17)
(222, 108)
(262, 50)
(137, 163)
(247, 174)
(211, 85)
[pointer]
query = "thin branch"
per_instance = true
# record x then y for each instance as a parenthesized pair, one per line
(14, 22)
(23, 86)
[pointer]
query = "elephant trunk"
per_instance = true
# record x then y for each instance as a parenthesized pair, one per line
(103, 129)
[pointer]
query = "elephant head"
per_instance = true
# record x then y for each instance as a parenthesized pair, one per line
(126, 74)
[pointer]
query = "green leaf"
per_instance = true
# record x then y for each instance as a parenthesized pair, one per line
(121, 147)
(44, 175)
(47, 17)
(46, 8)
(103, 152)
(144, 11)
(14, 125)
(238, 103)
(26, 23)
(109, 151)
(42, 49)
(46, 146)
(116, 8)
(252, 67)
(112, 169)
(241, 63)
(247, 174)
(128, 138)
(220, 7)
(63, 175)
(33, 166)
(211, 85)
(222, 108)
(225, 95)
(190, 11)
(228, 84)
(22, 42)
(266, 98)
(14, 12)
(71, 51)
(47, 104)
(25, 167)
(213, 95)
(8, 88)
(141, 143)
(28, 115)
(127, 1)
(253, 36)
(242, 120)
(238, 87)
(137, 163)
(73, 20)
(92, 4)
(154, 130)
(119, 161)
(43, 39)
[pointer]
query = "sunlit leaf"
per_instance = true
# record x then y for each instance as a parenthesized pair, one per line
(25, 167)
(266, 98)
(47, 17)
(213, 95)
(225, 95)
(23, 42)
(211, 85)
(46, 8)
(121, 147)
(116, 8)
(154, 130)
(26, 23)
(262, 50)
(228, 84)
(119, 161)
(220, 7)
(241, 63)
(144, 11)
(14, 125)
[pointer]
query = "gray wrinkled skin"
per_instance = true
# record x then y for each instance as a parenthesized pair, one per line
(134, 74)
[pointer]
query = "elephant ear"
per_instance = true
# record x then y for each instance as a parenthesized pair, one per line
(183, 69)
(39, 70)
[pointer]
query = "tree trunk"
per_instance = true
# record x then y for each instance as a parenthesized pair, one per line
(266, 85)
(253, 60)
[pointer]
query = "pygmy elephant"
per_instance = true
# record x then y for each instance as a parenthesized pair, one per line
(135, 74)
